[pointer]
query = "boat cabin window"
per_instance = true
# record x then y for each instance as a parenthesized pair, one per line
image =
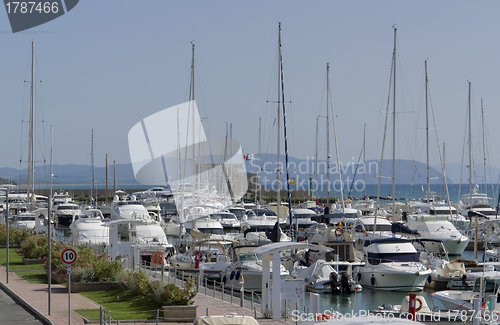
(67, 207)
(377, 258)
(214, 231)
(370, 228)
(238, 212)
(442, 211)
(248, 257)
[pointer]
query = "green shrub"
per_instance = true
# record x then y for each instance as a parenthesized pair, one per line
(34, 247)
(83, 275)
(164, 294)
(16, 236)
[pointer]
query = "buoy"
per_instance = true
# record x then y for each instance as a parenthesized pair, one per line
(232, 275)
(429, 279)
(338, 231)
(372, 280)
(238, 275)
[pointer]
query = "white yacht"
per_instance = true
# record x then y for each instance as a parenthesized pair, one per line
(438, 228)
(65, 214)
(392, 264)
(123, 209)
(88, 230)
(228, 220)
(24, 221)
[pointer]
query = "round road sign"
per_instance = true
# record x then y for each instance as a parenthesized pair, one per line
(68, 256)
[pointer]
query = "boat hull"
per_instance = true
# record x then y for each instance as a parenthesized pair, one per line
(391, 280)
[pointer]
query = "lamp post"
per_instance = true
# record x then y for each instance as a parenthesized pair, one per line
(6, 215)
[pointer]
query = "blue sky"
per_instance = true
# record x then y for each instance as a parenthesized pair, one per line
(106, 65)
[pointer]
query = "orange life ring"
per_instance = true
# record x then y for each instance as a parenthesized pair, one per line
(389, 217)
(339, 232)
(419, 307)
(365, 232)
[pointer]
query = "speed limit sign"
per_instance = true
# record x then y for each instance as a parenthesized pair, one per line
(68, 256)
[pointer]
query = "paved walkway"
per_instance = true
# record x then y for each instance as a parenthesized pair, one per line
(36, 295)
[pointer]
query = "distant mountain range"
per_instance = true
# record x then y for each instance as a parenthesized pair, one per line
(407, 172)
(69, 175)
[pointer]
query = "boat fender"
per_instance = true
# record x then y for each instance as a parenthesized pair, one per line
(238, 275)
(224, 279)
(429, 279)
(372, 280)
(359, 276)
(338, 232)
(232, 275)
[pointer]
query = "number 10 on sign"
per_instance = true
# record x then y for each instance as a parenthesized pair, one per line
(68, 256)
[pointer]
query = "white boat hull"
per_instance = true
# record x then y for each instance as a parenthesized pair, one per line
(392, 280)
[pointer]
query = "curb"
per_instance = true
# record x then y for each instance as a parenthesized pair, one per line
(25, 305)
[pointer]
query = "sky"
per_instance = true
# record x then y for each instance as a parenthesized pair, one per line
(106, 65)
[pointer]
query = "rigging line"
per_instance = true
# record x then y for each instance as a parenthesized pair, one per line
(383, 141)
(443, 170)
(463, 153)
(355, 172)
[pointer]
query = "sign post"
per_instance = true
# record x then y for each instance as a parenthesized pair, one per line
(68, 256)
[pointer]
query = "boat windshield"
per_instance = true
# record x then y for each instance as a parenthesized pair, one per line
(377, 258)
(238, 212)
(248, 257)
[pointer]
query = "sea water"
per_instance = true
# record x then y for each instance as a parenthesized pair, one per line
(370, 299)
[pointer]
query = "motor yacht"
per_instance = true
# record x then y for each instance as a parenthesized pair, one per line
(392, 264)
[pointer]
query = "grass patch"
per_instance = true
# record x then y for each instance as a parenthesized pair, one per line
(33, 273)
(121, 304)
(34, 276)
(16, 260)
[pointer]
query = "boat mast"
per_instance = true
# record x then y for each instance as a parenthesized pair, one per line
(328, 135)
(292, 232)
(427, 130)
(31, 150)
(470, 171)
(191, 99)
(470, 149)
(316, 162)
(92, 183)
(336, 143)
(106, 192)
(484, 151)
(260, 157)
(278, 169)
(364, 160)
(394, 132)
